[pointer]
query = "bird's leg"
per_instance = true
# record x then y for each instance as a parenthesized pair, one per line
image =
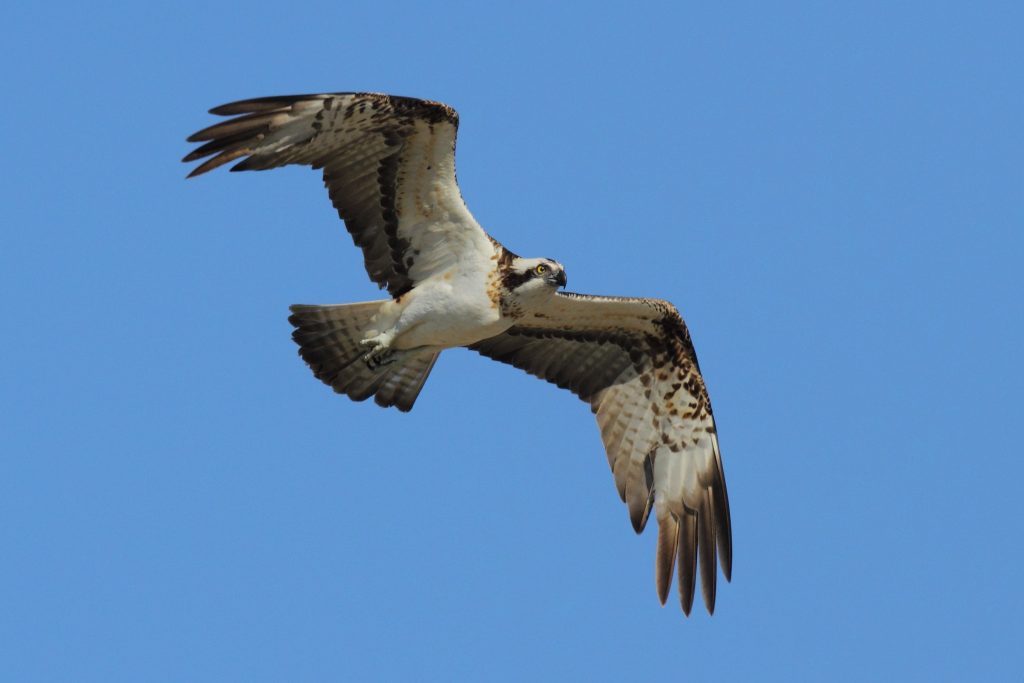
(396, 320)
(380, 351)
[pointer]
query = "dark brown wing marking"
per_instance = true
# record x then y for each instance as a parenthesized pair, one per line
(388, 163)
(634, 362)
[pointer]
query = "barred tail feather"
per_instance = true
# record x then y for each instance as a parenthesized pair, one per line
(328, 339)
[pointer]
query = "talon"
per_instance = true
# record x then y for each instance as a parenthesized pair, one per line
(379, 353)
(379, 358)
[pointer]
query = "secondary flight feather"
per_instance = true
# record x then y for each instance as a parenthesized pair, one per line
(389, 167)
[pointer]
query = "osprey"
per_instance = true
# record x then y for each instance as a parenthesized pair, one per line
(389, 167)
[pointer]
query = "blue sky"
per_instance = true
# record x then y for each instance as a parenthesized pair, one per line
(831, 194)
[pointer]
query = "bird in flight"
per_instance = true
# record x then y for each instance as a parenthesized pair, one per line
(389, 167)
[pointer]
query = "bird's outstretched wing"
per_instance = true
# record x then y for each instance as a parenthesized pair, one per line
(633, 361)
(388, 163)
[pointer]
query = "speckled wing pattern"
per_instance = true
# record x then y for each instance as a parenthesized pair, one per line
(633, 361)
(388, 163)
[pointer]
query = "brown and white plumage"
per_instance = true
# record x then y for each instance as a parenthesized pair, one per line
(389, 167)
(388, 164)
(633, 361)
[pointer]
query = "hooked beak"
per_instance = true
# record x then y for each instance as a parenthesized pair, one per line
(560, 279)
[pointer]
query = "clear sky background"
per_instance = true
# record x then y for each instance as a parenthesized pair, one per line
(830, 192)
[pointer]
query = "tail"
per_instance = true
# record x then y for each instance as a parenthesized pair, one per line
(328, 339)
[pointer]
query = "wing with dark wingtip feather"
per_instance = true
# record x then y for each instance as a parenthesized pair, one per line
(633, 361)
(388, 163)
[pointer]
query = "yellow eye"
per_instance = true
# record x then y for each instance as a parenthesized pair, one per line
(541, 269)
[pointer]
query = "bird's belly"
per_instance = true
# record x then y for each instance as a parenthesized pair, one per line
(449, 332)
(443, 317)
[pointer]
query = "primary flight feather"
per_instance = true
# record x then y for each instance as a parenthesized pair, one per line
(389, 166)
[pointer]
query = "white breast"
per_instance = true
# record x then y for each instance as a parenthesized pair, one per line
(448, 310)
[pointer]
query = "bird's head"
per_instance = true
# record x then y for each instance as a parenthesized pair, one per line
(533, 279)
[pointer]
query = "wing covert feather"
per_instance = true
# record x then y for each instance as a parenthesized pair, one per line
(634, 362)
(388, 163)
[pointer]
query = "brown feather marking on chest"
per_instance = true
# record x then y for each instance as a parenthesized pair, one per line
(496, 294)
(497, 284)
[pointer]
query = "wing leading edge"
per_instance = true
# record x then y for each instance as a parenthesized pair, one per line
(388, 163)
(634, 362)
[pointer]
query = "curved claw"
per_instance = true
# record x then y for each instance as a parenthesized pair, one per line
(378, 359)
(380, 352)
